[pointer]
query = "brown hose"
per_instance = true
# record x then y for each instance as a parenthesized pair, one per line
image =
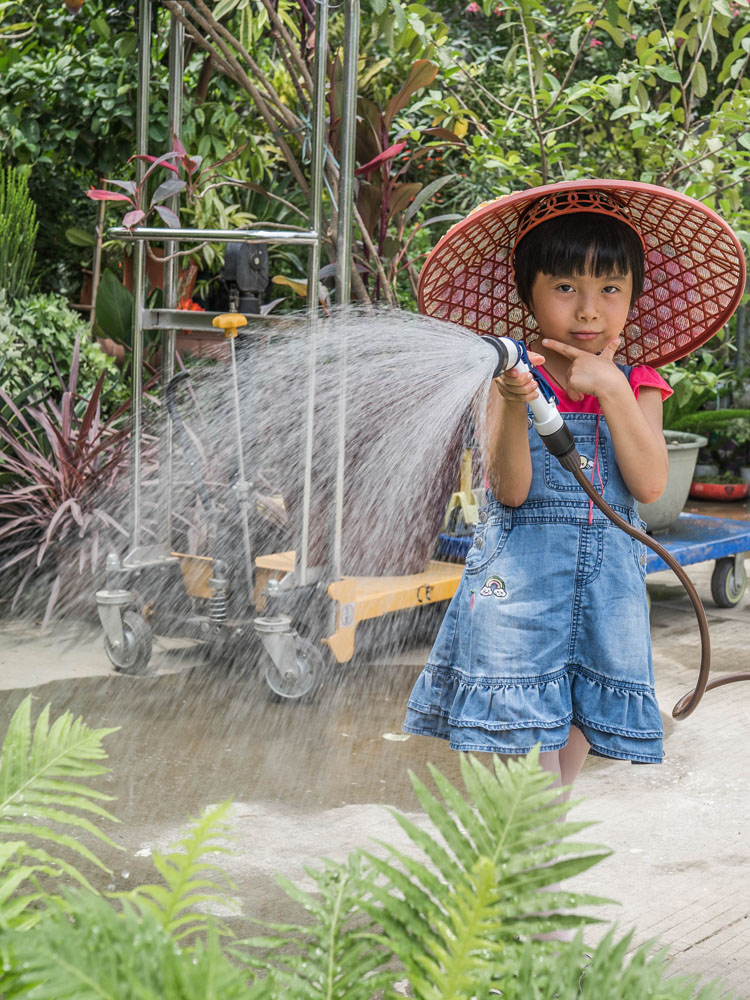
(689, 702)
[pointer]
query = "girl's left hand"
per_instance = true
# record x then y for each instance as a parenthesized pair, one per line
(588, 374)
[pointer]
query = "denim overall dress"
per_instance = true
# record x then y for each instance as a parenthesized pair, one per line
(549, 626)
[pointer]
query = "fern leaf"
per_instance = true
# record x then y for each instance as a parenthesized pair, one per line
(85, 950)
(185, 870)
(440, 858)
(335, 956)
(494, 847)
(42, 798)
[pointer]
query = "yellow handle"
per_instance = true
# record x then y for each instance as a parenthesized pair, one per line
(228, 322)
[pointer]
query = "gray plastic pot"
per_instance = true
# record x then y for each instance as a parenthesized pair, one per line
(683, 451)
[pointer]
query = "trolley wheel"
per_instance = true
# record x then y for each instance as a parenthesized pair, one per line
(299, 678)
(727, 588)
(134, 654)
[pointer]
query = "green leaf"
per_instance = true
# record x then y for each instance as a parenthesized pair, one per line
(114, 308)
(700, 81)
(426, 193)
(79, 237)
(615, 33)
(668, 73)
(224, 7)
(35, 785)
(189, 883)
(625, 109)
(83, 949)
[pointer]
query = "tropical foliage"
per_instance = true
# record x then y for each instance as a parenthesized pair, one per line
(37, 336)
(482, 98)
(454, 917)
(58, 456)
(18, 229)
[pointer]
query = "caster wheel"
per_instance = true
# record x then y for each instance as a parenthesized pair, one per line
(134, 654)
(726, 588)
(300, 677)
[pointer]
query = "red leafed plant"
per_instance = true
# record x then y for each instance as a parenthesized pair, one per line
(57, 459)
(196, 181)
(386, 201)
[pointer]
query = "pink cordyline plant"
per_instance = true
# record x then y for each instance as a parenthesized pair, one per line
(56, 461)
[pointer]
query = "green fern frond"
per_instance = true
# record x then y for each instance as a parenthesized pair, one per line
(85, 950)
(42, 797)
(471, 957)
(491, 852)
(607, 972)
(337, 954)
(189, 879)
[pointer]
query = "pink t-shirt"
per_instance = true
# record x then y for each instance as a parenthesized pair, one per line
(639, 375)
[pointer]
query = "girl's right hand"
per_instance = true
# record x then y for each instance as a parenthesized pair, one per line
(517, 387)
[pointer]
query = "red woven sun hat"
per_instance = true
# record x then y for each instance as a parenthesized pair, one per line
(694, 272)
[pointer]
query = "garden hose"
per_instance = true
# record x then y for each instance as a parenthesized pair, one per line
(690, 701)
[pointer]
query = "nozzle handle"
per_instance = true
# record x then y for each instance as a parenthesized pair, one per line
(547, 420)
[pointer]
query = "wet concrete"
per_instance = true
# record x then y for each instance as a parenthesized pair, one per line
(314, 779)
(306, 778)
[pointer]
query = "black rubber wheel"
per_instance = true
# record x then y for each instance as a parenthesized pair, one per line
(301, 679)
(134, 655)
(726, 588)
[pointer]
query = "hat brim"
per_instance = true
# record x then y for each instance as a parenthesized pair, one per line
(694, 271)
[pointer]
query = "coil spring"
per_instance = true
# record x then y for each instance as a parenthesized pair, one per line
(217, 603)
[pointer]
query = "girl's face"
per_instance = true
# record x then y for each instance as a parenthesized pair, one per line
(581, 310)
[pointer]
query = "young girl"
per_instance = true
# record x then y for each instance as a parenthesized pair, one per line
(547, 638)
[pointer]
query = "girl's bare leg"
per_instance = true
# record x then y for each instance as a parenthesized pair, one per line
(565, 765)
(572, 757)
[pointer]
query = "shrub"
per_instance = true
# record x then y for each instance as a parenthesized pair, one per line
(37, 336)
(57, 457)
(18, 229)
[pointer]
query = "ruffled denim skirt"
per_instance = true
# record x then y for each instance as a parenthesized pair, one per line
(549, 626)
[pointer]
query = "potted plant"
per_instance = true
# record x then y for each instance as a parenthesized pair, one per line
(696, 380)
(726, 475)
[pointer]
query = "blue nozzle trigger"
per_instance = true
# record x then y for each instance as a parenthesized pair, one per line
(544, 387)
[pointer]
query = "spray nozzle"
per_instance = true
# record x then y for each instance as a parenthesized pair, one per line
(547, 420)
(509, 352)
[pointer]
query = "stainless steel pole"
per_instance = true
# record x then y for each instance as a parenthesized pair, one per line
(157, 233)
(343, 253)
(171, 282)
(139, 279)
(317, 165)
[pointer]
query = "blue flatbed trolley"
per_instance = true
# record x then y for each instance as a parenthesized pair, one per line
(693, 538)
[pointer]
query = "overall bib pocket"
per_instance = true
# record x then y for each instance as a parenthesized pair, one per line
(489, 540)
(558, 479)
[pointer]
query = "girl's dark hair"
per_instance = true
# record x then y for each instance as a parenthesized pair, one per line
(579, 243)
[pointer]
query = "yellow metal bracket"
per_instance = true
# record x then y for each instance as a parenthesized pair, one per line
(464, 498)
(362, 597)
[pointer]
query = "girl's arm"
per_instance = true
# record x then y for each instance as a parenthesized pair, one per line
(505, 442)
(636, 429)
(635, 424)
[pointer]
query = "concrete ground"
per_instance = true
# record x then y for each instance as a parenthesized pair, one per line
(312, 779)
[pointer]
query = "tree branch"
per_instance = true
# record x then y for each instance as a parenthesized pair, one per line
(573, 64)
(242, 78)
(534, 104)
(367, 240)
